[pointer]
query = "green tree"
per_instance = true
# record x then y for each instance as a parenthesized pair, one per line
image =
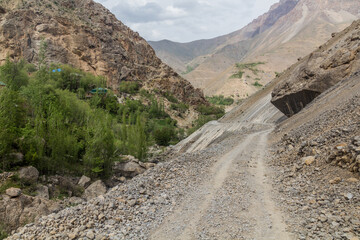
(12, 119)
(100, 145)
(14, 74)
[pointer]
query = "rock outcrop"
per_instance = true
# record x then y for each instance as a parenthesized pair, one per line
(19, 209)
(29, 174)
(97, 188)
(333, 62)
(86, 35)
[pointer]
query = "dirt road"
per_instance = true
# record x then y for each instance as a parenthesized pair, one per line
(235, 201)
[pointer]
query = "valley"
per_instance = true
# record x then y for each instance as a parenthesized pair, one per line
(99, 139)
(290, 30)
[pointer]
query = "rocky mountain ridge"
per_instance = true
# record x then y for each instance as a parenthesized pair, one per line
(333, 62)
(87, 36)
(291, 29)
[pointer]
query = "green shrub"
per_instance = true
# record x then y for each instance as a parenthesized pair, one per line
(220, 100)
(180, 107)
(170, 97)
(257, 84)
(164, 135)
(210, 110)
(129, 87)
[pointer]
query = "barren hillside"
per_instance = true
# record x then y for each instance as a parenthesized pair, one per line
(290, 30)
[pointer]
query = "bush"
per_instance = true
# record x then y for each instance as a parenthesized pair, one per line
(129, 87)
(170, 97)
(180, 107)
(257, 84)
(164, 135)
(210, 110)
(220, 100)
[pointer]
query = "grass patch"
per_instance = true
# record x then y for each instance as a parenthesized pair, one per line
(16, 182)
(257, 84)
(210, 110)
(3, 233)
(239, 74)
(249, 66)
(189, 69)
(220, 100)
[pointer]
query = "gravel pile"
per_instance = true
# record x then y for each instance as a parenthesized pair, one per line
(321, 196)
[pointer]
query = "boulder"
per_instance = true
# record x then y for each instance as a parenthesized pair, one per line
(42, 191)
(84, 181)
(97, 188)
(29, 174)
(128, 169)
(13, 192)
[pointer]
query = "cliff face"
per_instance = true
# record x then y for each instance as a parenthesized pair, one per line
(333, 62)
(84, 34)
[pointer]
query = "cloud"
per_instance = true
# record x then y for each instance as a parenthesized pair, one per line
(186, 20)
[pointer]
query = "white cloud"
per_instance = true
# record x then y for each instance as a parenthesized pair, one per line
(186, 20)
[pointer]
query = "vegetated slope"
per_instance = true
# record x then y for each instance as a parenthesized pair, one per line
(291, 29)
(87, 36)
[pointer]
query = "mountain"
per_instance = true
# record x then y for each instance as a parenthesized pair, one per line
(331, 63)
(290, 30)
(87, 36)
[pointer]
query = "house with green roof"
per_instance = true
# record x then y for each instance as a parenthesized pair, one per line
(2, 84)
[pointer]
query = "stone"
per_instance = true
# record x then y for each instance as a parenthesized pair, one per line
(97, 188)
(349, 196)
(13, 192)
(308, 160)
(90, 235)
(42, 191)
(335, 180)
(132, 202)
(84, 181)
(72, 236)
(75, 200)
(29, 174)
(341, 146)
(149, 165)
(128, 169)
(352, 180)
(101, 216)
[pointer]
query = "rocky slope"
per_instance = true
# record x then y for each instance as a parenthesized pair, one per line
(333, 62)
(316, 151)
(291, 29)
(86, 35)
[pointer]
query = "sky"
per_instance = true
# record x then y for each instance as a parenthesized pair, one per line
(186, 20)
